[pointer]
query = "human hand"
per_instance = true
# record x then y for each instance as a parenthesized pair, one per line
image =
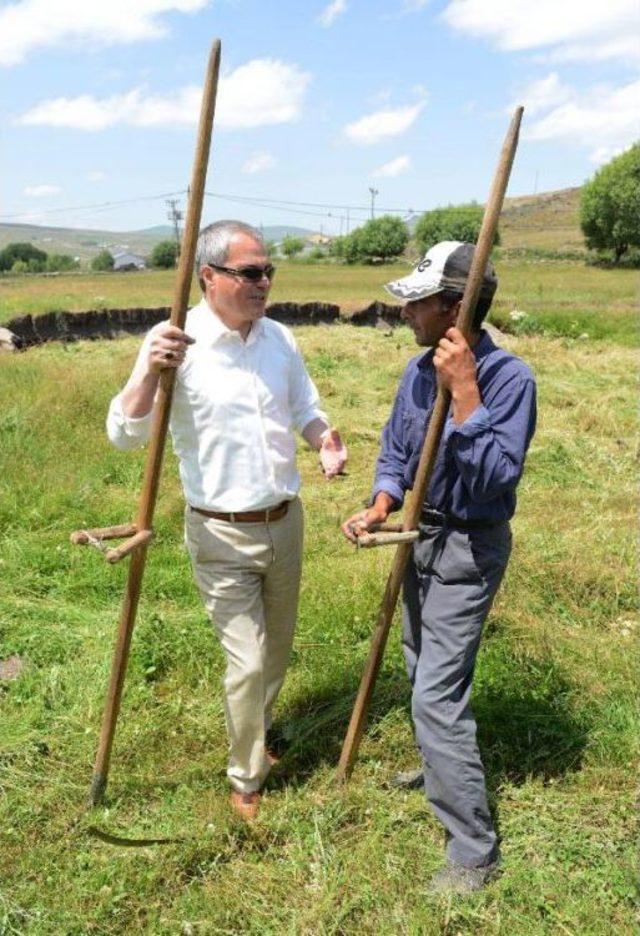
(454, 361)
(363, 521)
(167, 347)
(333, 453)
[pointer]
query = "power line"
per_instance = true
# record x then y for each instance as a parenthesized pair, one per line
(99, 205)
(314, 209)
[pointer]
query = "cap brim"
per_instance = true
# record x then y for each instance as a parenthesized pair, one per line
(410, 290)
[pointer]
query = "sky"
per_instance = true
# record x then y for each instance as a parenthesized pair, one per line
(318, 104)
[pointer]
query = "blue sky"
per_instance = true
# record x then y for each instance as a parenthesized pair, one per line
(318, 103)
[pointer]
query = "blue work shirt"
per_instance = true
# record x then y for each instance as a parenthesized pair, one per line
(481, 460)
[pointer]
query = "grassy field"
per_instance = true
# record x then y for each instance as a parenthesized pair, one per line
(550, 298)
(554, 695)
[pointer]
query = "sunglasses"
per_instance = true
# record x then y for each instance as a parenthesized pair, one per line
(253, 274)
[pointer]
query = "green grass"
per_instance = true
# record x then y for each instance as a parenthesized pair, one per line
(556, 298)
(555, 689)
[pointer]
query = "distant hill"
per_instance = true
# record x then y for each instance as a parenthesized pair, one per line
(547, 221)
(87, 243)
(82, 243)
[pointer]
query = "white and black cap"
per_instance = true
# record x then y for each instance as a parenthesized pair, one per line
(445, 266)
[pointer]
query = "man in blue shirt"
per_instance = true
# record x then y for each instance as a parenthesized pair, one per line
(458, 563)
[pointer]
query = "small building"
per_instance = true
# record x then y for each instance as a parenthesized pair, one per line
(319, 240)
(128, 261)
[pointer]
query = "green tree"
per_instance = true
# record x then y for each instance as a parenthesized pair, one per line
(102, 261)
(21, 251)
(164, 254)
(60, 263)
(20, 266)
(455, 223)
(291, 245)
(610, 205)
(379, 239)
(337, 247)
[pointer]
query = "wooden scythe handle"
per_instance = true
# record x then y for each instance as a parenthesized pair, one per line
(160, 423)
(428, 455)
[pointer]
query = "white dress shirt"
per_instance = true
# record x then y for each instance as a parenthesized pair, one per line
(235, 406)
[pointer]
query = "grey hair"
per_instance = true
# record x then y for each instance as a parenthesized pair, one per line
(214, 240)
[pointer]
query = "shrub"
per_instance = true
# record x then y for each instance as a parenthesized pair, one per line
(164, 254)
(20, 251)
(291, 246)
(610, 205)
(102, 261)
(380, 239)
(59, 263)
(456, 222)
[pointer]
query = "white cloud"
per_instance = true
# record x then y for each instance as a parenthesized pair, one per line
(383, 124)
(41, 191)
(263, 91)
(602, 114)
(96, 175)
(34, 24)
(331, 12)
(392, 168)
(258, 162)
(604, 153)
(580, 29)
(542, 94)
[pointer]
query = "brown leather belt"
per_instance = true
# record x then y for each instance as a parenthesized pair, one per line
(247, 516)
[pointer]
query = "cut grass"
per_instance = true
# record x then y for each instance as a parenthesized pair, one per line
(554, 694)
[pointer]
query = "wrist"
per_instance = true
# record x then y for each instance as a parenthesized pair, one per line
(383, 504)
(466, 398)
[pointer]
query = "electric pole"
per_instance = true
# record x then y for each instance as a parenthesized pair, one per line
(175, 216)
(374, 192)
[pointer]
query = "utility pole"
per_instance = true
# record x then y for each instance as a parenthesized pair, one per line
(374, 192)
(175, 216)
(348, 221)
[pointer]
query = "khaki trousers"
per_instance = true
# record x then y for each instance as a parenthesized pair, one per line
(249, 577)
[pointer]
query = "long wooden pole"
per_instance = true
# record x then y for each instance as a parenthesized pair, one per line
(162, 408)
(428, 454)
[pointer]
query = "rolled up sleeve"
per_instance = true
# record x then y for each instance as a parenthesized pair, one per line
(489, 447)
(125, 432)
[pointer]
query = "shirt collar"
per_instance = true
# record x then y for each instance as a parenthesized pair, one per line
(205, 325)
(483, 347)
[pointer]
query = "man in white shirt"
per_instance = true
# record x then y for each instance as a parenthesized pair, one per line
(241, 390)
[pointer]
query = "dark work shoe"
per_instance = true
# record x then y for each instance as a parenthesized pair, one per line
(456, 879)
(408, 780)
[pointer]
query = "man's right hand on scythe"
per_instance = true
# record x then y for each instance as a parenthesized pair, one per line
(167, 347)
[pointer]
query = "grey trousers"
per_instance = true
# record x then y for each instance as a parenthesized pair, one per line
(451, 580)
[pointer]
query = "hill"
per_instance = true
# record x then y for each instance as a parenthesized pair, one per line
(86, 243)
(548, 221)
